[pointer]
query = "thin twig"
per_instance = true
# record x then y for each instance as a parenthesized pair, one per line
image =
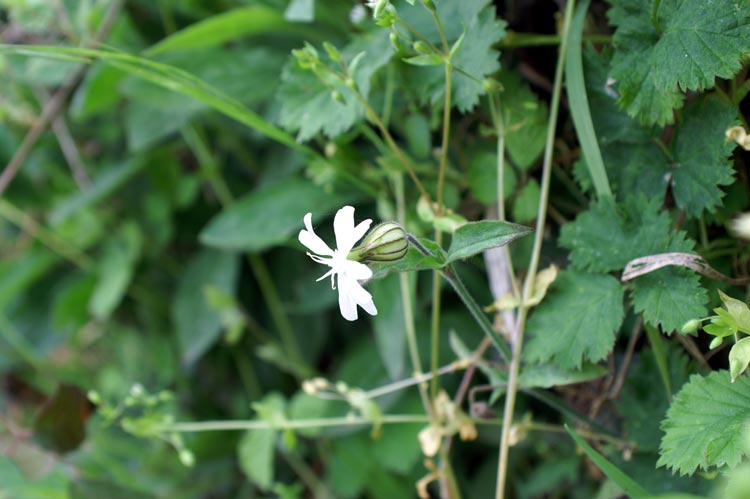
(54, 105)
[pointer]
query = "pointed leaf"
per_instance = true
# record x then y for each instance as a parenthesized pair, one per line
(476, 237)
(739, 358)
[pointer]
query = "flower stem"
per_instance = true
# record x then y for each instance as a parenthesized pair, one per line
(406, 302)
(259, 424)
(510, 397)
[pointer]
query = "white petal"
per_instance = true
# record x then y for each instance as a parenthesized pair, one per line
(356, 270)
(347, 234)
(347, 305)
(359, 295)
(311, 240)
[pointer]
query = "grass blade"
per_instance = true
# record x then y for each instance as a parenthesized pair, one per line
(579, 105)
(631, 488)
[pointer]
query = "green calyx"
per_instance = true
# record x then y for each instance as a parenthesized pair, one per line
(387, 242)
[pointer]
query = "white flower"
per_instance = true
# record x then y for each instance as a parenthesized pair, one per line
(347, 272)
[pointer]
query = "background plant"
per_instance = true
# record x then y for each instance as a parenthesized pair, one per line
(161, 331)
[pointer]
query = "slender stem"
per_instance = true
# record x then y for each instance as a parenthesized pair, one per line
(510, 397)
(416, 380)
(308, 476)
(406, 302)
(515, 40)
(435, 320)
(253, 424)
(44, 235)
(276, 307)
(390, 85)
(476, 312)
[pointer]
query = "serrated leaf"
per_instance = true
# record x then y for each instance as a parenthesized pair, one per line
(475, 57)
(524, 120)
(739, 358)
(308, 105)
(255, 453)
(669, 297)
(701, 155)
(576, 321)
(483, 177)
(602, 238)
(269, 216)
(696, 42)
(475, 237)
(707, 425)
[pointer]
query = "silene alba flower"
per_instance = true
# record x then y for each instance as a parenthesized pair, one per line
(385, 243)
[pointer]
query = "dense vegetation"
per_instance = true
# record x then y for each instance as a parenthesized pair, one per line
(560, 293)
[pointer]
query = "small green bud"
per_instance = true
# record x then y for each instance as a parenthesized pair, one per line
(690, 326)
(387, 242)
(187, 458)
(349, 82)
(336, 95)
(396, 42)
(422, 48)
(377, 12)
(94, 397)
(333, 52)
(491, 86)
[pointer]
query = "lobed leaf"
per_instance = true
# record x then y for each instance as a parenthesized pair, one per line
(707, 425)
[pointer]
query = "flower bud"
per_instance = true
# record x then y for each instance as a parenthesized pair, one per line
(690, 326)
(387, 242)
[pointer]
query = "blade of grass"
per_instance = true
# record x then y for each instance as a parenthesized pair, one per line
(244, 21)
(579, 105)
(627, 484)
(169, 77)
(657, 346)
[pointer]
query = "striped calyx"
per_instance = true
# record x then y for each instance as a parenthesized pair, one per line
(387, 242)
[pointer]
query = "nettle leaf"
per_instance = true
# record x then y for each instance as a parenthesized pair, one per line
(576, 321)
(308, 106)
(695, 42)
(524, 120)
(476, 237)
(602, 238)
(474, 59)
(702, 155)
(708, 424)
(669, 297)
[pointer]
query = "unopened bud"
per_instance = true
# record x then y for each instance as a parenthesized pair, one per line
(387, 242)
(422, 48)
(690, 326)
(430, 5)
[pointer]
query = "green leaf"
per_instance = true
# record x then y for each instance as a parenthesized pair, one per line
(476, 237)
(601, 238)
(256, 453)
(627, 484)
(739, 358)
(577, 320)
(526, 205)
(549, 375)
(308, 105)
(695, 43)
(198, 324)
(116, 268)
(473, 61)
(702, 155)
(641, 402)
(579, 104)
(739, 311)
(269, 215)
(524, 120)
(483, 177)
(707, 424)
(389, 324)
(669, 297)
